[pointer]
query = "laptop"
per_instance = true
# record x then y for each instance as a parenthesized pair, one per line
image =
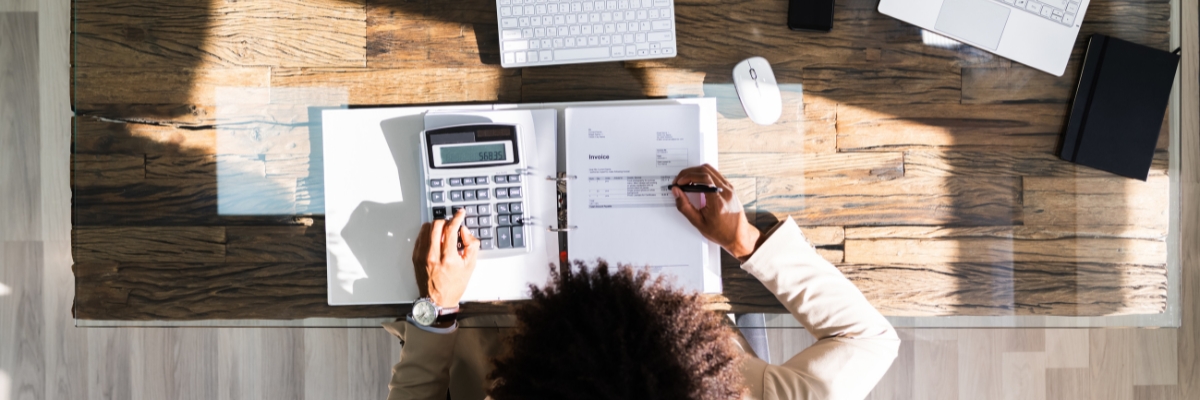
(1037, 33)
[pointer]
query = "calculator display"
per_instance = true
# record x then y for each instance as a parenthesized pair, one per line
(473, 154)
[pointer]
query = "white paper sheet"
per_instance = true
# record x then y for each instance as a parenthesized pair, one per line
(622, 159)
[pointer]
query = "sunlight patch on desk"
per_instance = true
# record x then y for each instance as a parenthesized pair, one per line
(5, 290)
(269, 149)
(936, 40)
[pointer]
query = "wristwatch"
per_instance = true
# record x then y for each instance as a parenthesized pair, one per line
(427, 313)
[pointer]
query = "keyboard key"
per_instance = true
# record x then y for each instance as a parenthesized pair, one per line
(435, 183)
(483, 209)
(481, 194)
(504, 237)
(485, 220)
(509, 58)
(1046, 11)
(508, 23)
(523, 22)
(456, 195)
(439, 213)
(515, 45)
(580, 54)
(546, 55)
(641, 37)
(518, 236)
(472, 222)
(618, 51)
(1069, 19)
(658, 36)
(503, 220)
(502, 208)
(592, 41)
(515, 207)
(437, 197)
(468, 195)
(668, 51)
(520, 56)
(514, 193)
(505, 12)
(486, 244)
(1033, 6)
(455, 181)
(1073, 7)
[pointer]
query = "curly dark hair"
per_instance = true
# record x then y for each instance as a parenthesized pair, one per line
(596, 334)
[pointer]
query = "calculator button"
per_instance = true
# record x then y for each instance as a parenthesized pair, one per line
(454, 210)
(474, 232)
(501, 193)
(518, 236)
(500, 178)
(514, 178)
(481, 194)
(470, 210)
(515, 219)
(472, 222)
(455, 181)
(481, 180)
(486, 244)
(437, 197)
(485, 220)
(503, 237)
(435, 183)
(468, 195)
(484, 209)
(515, 207)
(503, 220)
(514, 193)
(456, 195)
(439, 213)
(485, 233)
(502, 208)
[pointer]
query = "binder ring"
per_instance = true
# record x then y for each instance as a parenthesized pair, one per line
(563, 179)
(567, 229)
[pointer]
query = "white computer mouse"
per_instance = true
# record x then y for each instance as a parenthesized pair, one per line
(758, 91)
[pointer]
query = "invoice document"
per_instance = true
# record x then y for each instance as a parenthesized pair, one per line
(620, 161)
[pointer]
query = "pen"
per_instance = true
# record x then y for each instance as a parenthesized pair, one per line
(695, 188)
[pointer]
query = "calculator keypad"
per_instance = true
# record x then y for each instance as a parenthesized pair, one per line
(494, 207)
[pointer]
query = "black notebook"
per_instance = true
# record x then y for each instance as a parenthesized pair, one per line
(1119, 106)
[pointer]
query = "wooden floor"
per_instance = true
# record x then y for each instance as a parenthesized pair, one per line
(42, 356)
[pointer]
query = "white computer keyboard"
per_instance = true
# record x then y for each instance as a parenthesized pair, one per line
(1061, 11)
(549, 32)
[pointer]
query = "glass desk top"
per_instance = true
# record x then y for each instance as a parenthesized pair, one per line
(924, 169)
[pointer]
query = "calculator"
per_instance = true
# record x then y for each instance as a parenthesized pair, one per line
(478, 168)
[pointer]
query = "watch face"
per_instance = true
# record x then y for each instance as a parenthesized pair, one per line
(424, 312)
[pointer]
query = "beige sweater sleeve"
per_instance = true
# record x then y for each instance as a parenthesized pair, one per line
(424, 368)
(855, 344)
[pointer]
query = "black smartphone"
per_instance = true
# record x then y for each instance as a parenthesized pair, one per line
(810, 15)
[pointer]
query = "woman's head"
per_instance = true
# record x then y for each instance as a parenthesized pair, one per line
(593, 333)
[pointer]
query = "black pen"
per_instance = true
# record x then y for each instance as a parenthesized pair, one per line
(695, 188)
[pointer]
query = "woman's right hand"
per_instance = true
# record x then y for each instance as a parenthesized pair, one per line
(721, 219)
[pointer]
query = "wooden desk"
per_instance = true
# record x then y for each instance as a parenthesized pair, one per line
(925, 173)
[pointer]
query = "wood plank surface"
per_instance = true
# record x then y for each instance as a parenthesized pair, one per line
(1006, 163)
(907, 201)
(1004, 245)
(149, 244)
(215, 33)
(834, 165)
(950, 127)
(1096, 201)
(409, 86)
(1021, 288)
